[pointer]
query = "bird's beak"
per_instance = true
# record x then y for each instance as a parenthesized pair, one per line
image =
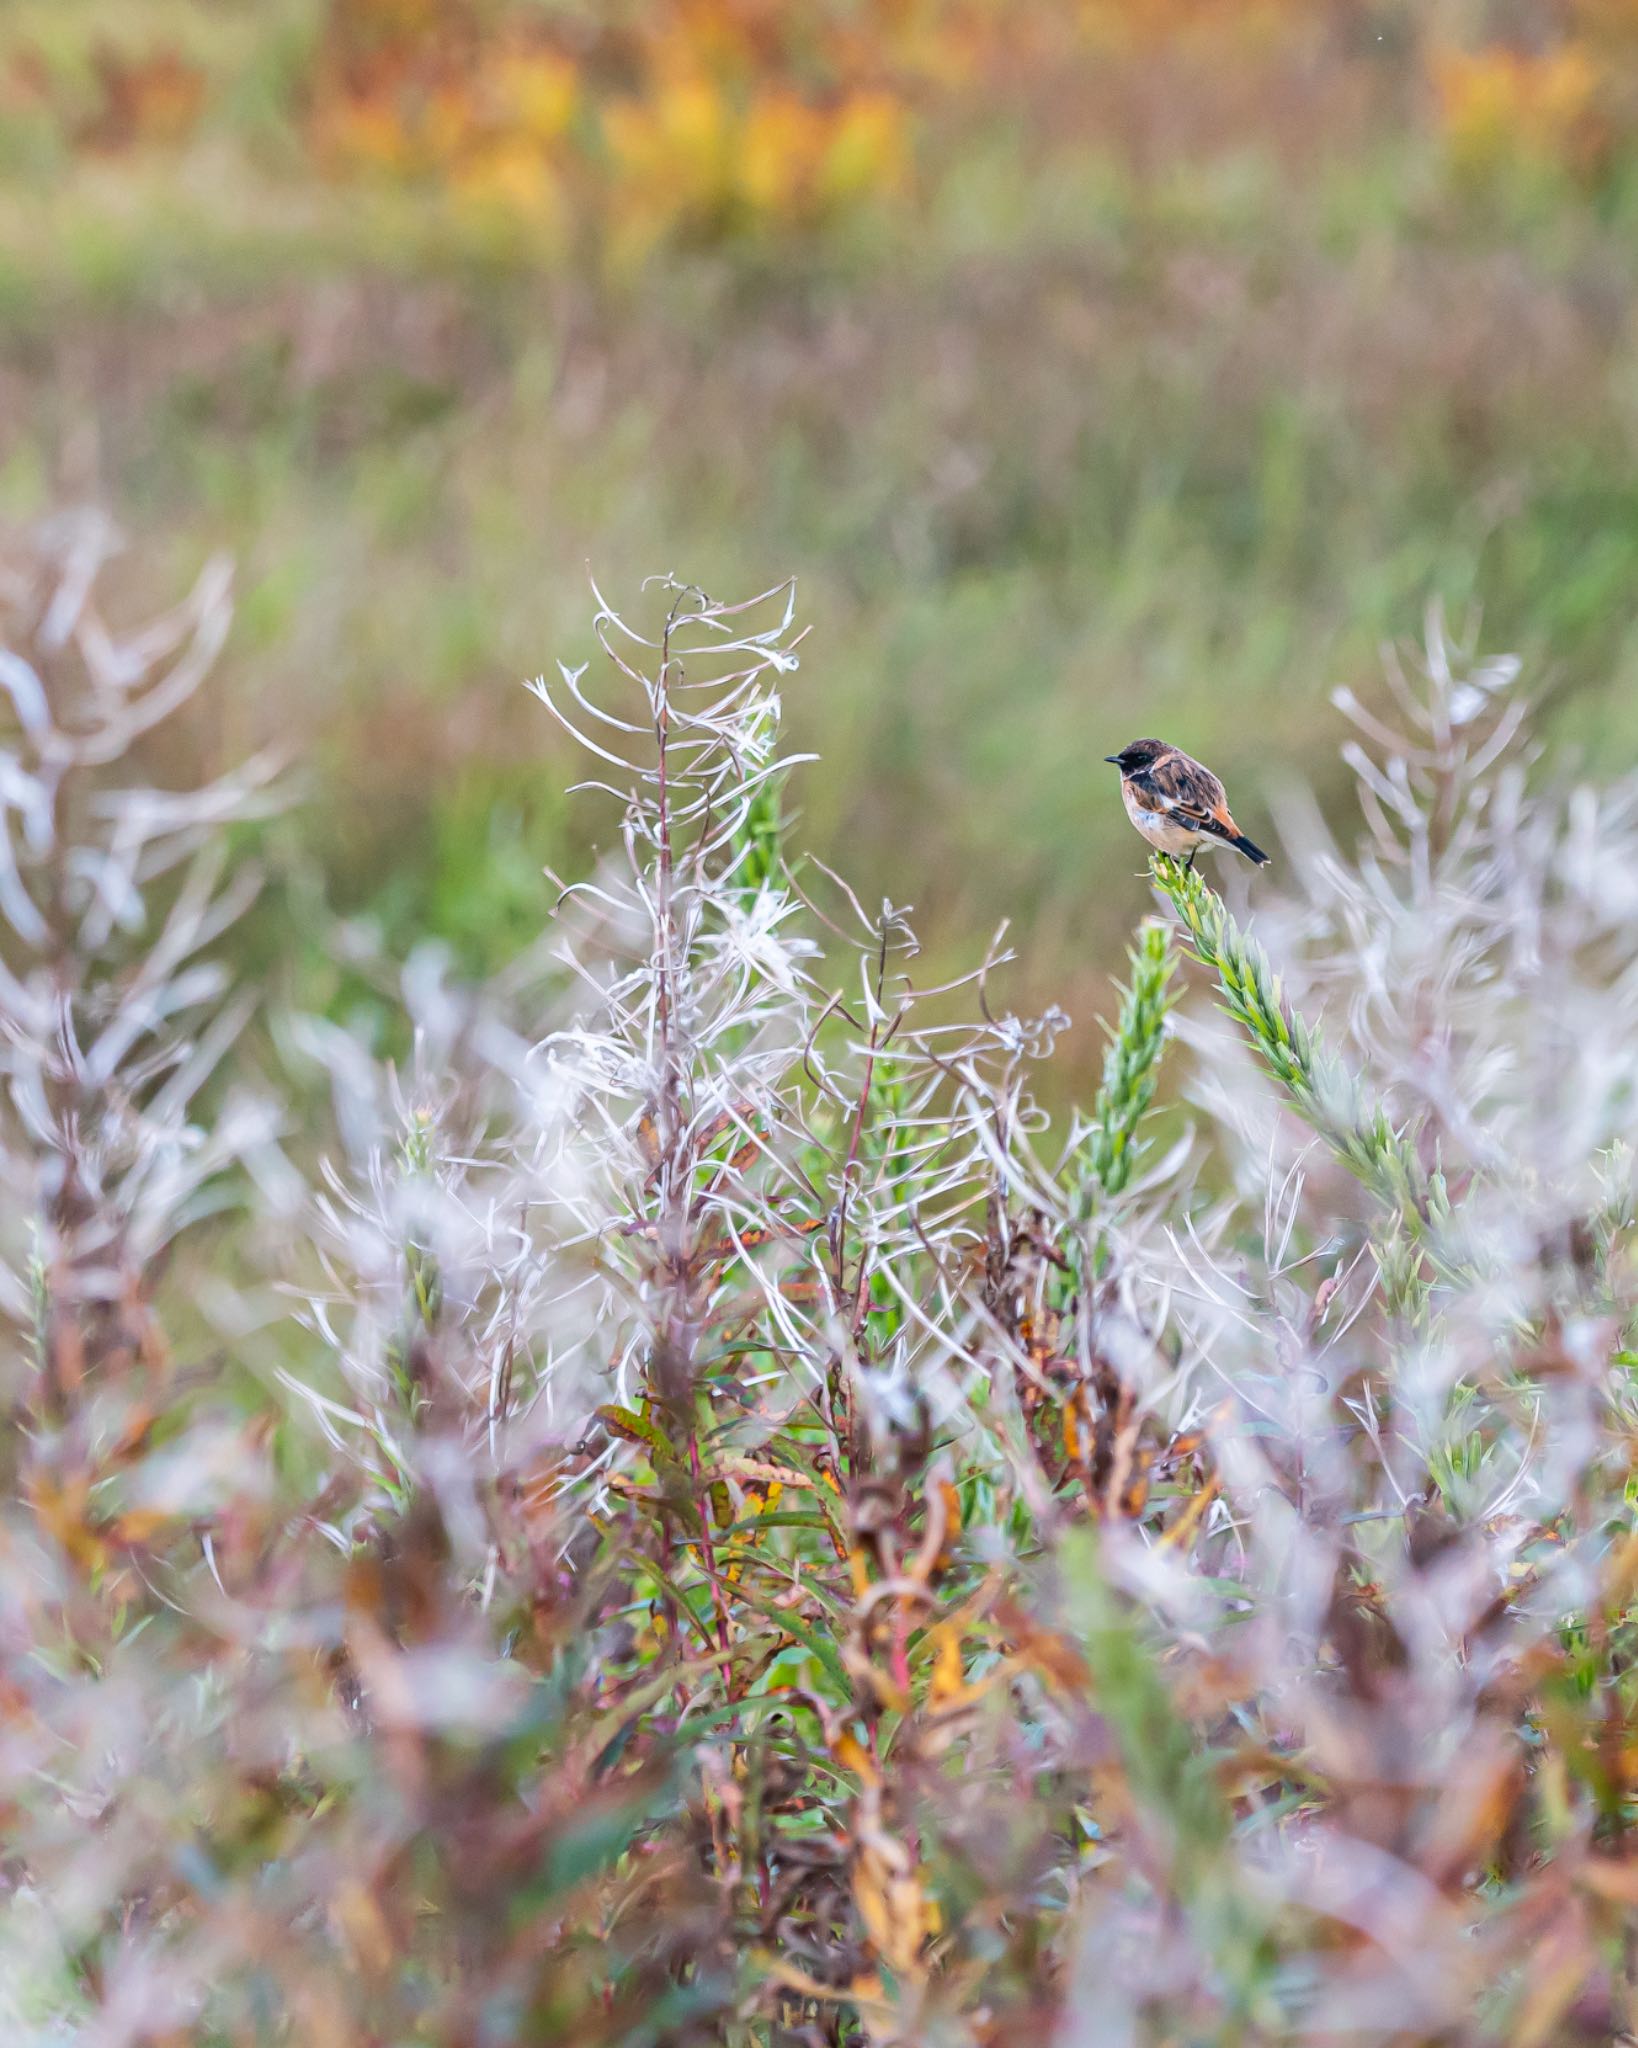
(1113, 760)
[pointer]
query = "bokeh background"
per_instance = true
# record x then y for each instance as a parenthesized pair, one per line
(1098, 365)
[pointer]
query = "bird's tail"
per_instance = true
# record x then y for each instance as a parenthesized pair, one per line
(1251, 852)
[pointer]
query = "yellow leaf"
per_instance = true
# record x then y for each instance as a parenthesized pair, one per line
(868, 152)
(358, 1920)
(948, 1685)
(895, 1911)
(1184, 1527)
(851, 1753)
(540, 90)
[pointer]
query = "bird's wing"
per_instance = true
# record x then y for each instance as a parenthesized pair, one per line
(1146, 797)
(1190, 792)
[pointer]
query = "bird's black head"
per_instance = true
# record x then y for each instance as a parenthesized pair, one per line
(1137, 755)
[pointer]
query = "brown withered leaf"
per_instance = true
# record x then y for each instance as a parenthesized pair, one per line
(142, 101)
(1052, 1655)
(1475, 1805)
(1609, 1878)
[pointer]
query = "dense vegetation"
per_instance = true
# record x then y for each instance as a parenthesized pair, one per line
(1107, 366)
(686, 1511)
(603, 1456)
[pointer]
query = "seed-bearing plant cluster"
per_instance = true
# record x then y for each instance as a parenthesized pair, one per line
(684, 1508)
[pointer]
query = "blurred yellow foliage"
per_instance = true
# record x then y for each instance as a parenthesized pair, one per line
(1496, 103)
(687, 157)
(361, 134)
(700, 119)
(512, 176)
(677, 137)
(537, 91)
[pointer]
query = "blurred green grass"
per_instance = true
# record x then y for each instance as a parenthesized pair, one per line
(1119, 436)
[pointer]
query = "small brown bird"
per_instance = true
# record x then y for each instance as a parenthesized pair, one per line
(1175, 803)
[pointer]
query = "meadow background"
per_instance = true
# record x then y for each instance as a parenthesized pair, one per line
(653, 1474)
(1100, 367)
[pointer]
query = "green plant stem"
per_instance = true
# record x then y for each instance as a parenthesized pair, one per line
(1129, 1066)
(1359, 1133)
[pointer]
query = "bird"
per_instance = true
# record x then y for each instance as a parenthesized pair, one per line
(1176, 802)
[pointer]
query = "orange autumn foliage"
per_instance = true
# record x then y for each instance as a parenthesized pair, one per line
(620, 129)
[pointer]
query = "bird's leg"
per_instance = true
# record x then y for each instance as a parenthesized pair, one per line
(1188, 865)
